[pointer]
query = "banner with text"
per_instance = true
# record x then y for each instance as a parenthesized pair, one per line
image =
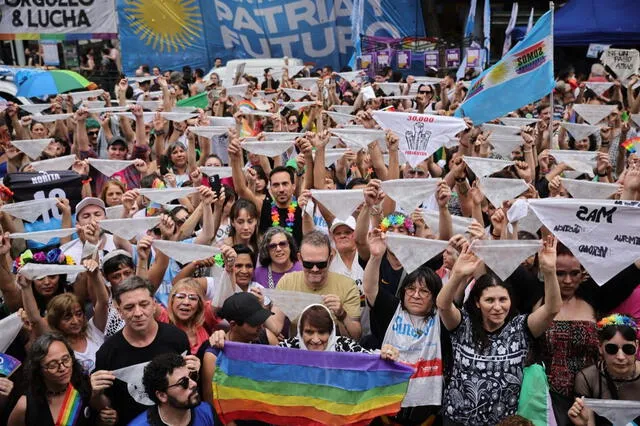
(195, 32)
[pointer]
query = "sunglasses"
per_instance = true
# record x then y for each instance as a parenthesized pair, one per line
(425, 92)
(182, 296)
(319, 265)
(281, 244)
(627, 348)
(293, 122)
(184, 382)
(92, 133)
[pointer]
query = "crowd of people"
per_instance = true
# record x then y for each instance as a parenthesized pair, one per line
(468, 333)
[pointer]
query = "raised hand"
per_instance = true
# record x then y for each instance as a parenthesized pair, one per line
(547, 255)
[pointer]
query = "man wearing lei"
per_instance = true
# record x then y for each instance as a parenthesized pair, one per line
(280, 207)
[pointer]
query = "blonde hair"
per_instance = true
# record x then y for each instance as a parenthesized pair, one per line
(60, 306)
(188, 284)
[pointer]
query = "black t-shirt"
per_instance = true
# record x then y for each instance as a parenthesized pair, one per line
(266, 222)
(382, 312)
(117, 353)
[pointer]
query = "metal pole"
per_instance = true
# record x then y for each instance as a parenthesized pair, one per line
(551, 8)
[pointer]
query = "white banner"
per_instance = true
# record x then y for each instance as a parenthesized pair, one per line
(58, 17)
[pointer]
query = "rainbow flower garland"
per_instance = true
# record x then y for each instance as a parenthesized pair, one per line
(52, 257)
(617, 319)
(395, 220)
(291, 211)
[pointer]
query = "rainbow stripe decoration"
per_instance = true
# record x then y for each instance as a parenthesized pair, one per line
(71, 407)
(59, 37)
(8, 365)
(632, 144)
(297, 387)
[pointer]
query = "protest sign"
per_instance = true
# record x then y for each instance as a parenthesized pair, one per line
(595, 49)
(623, 62)
(403, 59)
(431, 59)
(453, 58)
(473, 58)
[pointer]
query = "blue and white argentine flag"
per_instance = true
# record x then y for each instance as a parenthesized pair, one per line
(523, 75)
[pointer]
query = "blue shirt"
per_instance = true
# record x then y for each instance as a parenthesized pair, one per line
(202, 415)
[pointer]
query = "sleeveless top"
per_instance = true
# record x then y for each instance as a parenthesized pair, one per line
(74, 411)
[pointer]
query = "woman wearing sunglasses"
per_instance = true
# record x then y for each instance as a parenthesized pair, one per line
(617, 376)
(278, 256)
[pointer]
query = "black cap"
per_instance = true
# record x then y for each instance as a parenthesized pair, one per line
(117, 139)
(244, 307)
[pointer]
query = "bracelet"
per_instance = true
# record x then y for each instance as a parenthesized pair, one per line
(342, 317)
(602, 175)
(159, 132)
(86, 181)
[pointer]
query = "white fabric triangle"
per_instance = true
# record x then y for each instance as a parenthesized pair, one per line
(420, 134)
(140, 79)
(340, 118)
(401, 97)
(258, 113)
(292, 303)
(340, 203)
(208, 131)
(50, 117)
(238, 90)
(32, 147)
(115, 212)
(530, 223)
(37, 270)
(222, 172)
(460, 223)
(282, 136)
(291, 71)
(412, 252)
(93, 104)
(598, 87)
(518, 121)
(267, 148)
(485, 166)
(588, 189)
(10, 326)
(261, 94)
(183, 109)
(307, 83)
(79, 96)
(504, 144)
(504, 256)
(110, 167)
(579, 131)
(296, 94)
(345, 109)
(368, 93)
(636, 118)
(297, 106)
(185, 252)
(107, 109)
(361, 136)
(333, 155)
(147, 117)
(35, 108)
(499, 129)
(54, 164)
(618, 412)
(602, 234)
(150, 105)
(426, 80)
(29, 210)
(130, 227)
(410, 193)
(164, 196)
(222, 121)
(580, 161)
(177, 116)
(390, 88)
(132, 376)
(355, 145)
(498, 190)
(333, 142)
(593, 114)
(356, 75)
(43, 237)
(522, 214)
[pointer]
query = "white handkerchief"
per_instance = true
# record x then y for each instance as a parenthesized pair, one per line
(341, 203)
(636, 118)
(368, 93)
(258, 113)
(498, 190)
(164, 196)
(593, 114)
(410, 193)
(482, 167)
(110, 167)
(504, 256)
(222, 121)
(307, 83)
(426, 80)
(412, 252)
(420, 134)
(618, 412)
(291, 71)
(267, 148)
(356, 75)
(43, 237)
(282, 136)
(208, 131)
(603, 234)
(140, 79)
(29, 210)
(390, 88)
(339, 118)
(10, 326)
(115, 212)
(54, 164)
(518, 210)
(32, 147)
(588, 189)
(93, 104)
(297, 106)
(579, 131)
(157, 94)
(518, 122)
(107, 109)
(355, 145)
(177, 116)
(345, 109)
(185, 252)
(183, 109)
(360, 136)
(37, 270)
(401, 97)
(333, 142)
(292, 303)
(580, 161)
(530, 223)
(132, 376)
(505, 144)
(238, 90)
(498, 129)
(35, 108)
(222, 172)
(150, 105)
(130, 227)
(598, 87)
(333, 155)
(79, 96)
(460, 223)
(296, 94)
(147, 117)
(50, 117)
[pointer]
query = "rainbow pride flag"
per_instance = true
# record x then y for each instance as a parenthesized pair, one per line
(8, 365)
(298, 387)
(71, 407)
(632, 144)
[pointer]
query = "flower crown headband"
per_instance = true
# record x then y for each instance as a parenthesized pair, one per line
(617, 319)
(52, 257)
(395, 220)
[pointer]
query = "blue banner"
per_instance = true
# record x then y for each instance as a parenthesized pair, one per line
(172, 34)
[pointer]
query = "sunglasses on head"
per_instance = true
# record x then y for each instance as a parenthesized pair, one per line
(627, 348)
(319, 265)
(281, 244)
(184, 381)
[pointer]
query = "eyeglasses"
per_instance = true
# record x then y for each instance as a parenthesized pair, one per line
(53, 366)
(293, 121)
(282, 245)
(92, 133)
(184, 381)
(421, 291)
(182, 296)
(627, 348)
(319, 265)
(572, 274)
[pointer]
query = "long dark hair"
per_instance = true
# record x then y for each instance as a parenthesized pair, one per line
(252, 210)
(479, 334)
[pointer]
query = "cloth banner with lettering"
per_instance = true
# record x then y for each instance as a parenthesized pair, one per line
(195, 32)
(61, 19)
(603, 235)
(623, 62)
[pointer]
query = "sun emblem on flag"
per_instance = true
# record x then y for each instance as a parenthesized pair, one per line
(165, 25)
(497, 75)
